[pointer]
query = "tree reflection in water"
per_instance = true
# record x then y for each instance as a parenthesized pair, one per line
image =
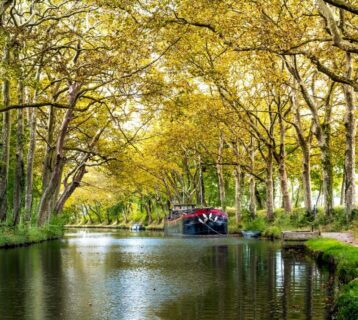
(117, 275)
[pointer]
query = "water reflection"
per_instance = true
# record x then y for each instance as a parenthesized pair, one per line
(121, 275)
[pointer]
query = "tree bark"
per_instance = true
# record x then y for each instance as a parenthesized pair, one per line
(30, 164)
(304, 143)
(31, 152)
(350, 125)
(5, 137)
(78, 175)
(337, 36)
(220, 172)
(48, 163)
(201, 184)
(148, 209)
(269, 185)
(282, 169)
(238, 175)
(97, 211)
(326, 158)
(238, 192)
(47, 194)
(19, 166)
(252, 183)
(306, 178)
(70, 189)
(322, 132)
(327, 187)
(343, 187)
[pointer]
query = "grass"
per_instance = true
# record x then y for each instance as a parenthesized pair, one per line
(282, 221)
(297, 220)
(347, 302)
(345, 258)
(155, 226)
(25, 235)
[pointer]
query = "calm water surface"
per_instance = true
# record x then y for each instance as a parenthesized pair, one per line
(124, 275)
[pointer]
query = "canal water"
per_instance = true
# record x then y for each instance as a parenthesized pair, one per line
(128, 275)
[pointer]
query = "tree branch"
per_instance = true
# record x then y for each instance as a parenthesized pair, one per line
(343, 5)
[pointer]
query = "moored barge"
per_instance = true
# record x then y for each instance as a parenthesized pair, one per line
(189, 220)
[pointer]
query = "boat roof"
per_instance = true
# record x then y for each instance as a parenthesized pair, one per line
(183, 206)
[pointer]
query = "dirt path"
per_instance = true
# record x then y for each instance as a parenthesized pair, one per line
(341, 236)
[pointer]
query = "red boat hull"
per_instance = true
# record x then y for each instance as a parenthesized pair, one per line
(197, 221)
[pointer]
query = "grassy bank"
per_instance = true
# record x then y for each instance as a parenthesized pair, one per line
(97, 226)
(345, 259)
(151, 227)
(297, 220)
(26, 235)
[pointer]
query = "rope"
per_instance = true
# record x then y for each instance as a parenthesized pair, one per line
(220, 234)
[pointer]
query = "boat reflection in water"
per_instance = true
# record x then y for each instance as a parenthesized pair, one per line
(187, 220)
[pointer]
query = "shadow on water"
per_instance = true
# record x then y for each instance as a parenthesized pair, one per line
(123, 275)
(258, 280)
(31, 282)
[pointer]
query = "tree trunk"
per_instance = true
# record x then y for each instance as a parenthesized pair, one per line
(306, 161)
(97, 212)
(19, 166)
(79, 172)
(220, 172)
(55, 196)
(5, 138)
(238, 177)
(238, 193)
(30, 164)
(306, 177)
(269, 185)
(69, 189)
(350, 125)
(327, 187)
(322, 132)
(125, 213)
(282, 169)
(109, 220)
(201, 184)
(298, 193)
(49, 159)
(252, 183)
(31, 152)
(55, 179)
(343, 187)
(86, 211)
(148, 209)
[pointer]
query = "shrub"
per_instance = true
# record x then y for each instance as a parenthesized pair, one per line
(258, 224)
(272, 232)
(347, 302)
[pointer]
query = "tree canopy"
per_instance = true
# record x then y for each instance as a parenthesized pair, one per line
(115, 109)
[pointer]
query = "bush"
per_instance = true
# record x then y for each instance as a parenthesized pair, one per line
(258, 224)
(272, 232)
(234, 228)
(347, 302)
(298, 219)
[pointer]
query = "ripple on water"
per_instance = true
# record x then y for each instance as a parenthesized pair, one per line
(122, 275)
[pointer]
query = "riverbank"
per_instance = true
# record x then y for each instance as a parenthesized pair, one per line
(11, 237)
(344, 257)
(297, 220)
(152, 227)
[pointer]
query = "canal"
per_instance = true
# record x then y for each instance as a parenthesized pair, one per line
(127, 275)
